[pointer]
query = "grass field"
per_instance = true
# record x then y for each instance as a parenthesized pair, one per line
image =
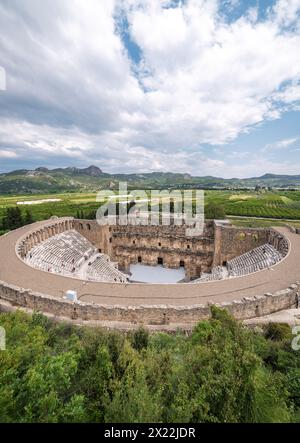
(279, 205)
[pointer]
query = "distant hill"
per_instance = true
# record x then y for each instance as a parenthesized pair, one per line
(279, 177)
(92, 179)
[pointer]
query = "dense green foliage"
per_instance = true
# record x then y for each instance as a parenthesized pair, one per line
(223, 372)
(13, 218)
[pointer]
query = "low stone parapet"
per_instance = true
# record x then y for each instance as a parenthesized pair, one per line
(246, 308)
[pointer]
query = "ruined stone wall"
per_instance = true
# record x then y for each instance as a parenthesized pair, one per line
(278, 241)
(231, 241)
(149, 315)
(100, 236)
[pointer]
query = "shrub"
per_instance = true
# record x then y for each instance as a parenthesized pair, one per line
(277, 331)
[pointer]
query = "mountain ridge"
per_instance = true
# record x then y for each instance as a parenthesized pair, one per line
(95, 171)
(92, 178)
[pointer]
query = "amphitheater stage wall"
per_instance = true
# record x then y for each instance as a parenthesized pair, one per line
(193, 263)
(148, 244)
(243, 309)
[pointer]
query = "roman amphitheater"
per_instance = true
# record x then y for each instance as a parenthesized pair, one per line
(80, 271)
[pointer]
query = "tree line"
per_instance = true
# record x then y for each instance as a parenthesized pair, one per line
(14, 218)
(222, 372)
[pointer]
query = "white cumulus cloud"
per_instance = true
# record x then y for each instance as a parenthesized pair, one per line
(74, 91)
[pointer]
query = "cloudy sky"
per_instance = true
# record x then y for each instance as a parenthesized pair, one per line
(207, 87)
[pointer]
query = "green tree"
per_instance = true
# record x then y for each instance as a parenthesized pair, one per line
(12, 218)
(28, 219)
(140, 339)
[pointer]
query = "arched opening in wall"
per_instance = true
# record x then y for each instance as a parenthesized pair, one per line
(133, 242)
(188, 246)
(88, 227)
(181, 263)
(100, 250)
(110, 240)
(80, 226)
(160, 261)
(224, 263)
(159, 243)
(139, 259)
